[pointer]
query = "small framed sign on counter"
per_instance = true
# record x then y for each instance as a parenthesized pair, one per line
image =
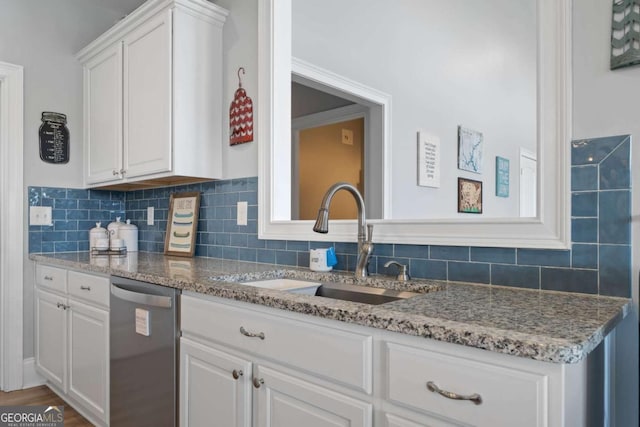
(182, 224)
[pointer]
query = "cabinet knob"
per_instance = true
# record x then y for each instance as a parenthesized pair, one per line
(237, 374)
(115, 172)
(257, 382)
(475, 398)
(246, 333)
(85, 288)
(123, 171)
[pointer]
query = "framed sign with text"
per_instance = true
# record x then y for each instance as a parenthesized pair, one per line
(182, 224)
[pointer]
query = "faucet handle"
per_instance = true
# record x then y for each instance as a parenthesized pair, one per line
(403, 274)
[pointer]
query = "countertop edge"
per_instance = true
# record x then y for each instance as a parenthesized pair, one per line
(531, 346)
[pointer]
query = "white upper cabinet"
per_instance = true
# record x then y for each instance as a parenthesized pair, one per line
(103, 114)
(147, 98)
(153, 96)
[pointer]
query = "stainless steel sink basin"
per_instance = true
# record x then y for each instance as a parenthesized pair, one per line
(366, 295)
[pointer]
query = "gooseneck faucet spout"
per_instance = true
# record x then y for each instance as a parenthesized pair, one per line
(365, 245)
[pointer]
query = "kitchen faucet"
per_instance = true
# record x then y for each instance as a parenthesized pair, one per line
(365, 245)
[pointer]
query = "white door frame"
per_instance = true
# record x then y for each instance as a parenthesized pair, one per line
(11, 225)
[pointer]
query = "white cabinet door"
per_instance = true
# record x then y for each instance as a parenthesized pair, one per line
(215, 387)
(148, 97)
(51, 337)
(89, 357)
(103, 115)
(285, 401)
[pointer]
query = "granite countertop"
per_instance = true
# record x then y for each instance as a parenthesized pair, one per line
(549, 326)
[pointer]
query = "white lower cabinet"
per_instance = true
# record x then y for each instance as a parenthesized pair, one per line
(298, 378)
(51, 337)
(72, 338)
(246, 368)
(89, 357)
(215, 387)
(287, 401)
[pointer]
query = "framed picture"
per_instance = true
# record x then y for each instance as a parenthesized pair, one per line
(469, 196)
(469, 150)
(502, 177)
(182, 224)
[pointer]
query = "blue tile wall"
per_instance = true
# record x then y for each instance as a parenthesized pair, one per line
(74, 213)
(598, 263)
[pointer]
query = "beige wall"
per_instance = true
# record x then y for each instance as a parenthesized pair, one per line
(325, 160)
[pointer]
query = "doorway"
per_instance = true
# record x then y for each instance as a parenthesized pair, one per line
(325, 155)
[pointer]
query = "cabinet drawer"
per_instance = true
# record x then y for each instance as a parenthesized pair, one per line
(89, 287)
(509, 397)
(51, 277)
(343, 357)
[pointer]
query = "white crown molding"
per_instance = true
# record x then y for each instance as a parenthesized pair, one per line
(216, 15)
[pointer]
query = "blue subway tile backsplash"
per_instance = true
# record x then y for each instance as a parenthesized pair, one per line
(74, 212)
(599, 261)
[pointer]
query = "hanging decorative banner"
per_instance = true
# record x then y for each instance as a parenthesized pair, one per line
(54, 138)
(240, 115)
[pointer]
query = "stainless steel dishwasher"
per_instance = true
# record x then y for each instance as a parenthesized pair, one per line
(144, 343)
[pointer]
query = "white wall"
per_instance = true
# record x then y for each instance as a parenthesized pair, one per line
(240, 50)
(444, 64)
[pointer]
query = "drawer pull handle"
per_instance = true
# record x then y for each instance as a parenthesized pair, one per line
(85, 288)
(475, 398)
(115, 172)
(63, 306)
(237, 374)
(257, 382)
(246, 333)
(48, 278)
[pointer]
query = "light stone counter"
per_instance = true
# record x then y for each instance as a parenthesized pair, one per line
(549, 326)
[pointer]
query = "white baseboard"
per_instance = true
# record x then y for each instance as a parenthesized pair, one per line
(30, 377)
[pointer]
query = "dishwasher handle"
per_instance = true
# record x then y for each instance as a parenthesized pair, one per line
(141, 298)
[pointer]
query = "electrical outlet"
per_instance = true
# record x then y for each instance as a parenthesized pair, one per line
(150, 215)
(242, 213)
(40, 215)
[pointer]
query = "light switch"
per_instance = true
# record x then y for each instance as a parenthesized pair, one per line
(150, 215)
(40, 215)
(242, 213)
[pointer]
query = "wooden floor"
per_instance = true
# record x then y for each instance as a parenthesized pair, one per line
(43, 396)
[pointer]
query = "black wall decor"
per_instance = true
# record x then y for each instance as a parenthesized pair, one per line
(54, 138)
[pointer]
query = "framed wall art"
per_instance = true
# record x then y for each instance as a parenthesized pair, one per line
(469, 196)
(625, 34)
(182, 224)
(502, 177)
(469, 150)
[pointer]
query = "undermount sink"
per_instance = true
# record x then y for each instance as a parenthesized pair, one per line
(366, 295)
(340, 291)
